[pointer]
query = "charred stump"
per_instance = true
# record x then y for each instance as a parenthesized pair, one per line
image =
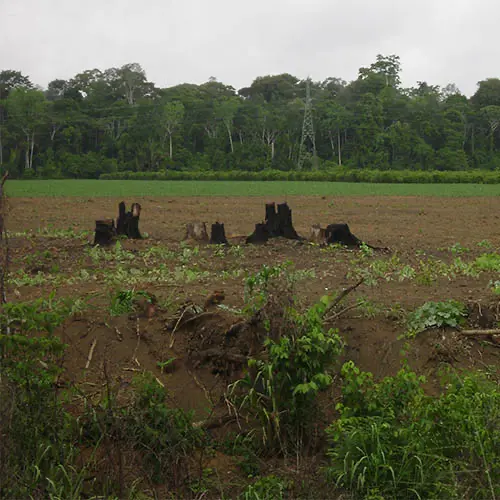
(340, 233)
(105, 232)
(196, 231)
(127, 223)
(218, 234)
(286, 228)
(272, 221)
(260, 235)
(277, 223)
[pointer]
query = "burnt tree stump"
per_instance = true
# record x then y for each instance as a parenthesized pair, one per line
(272, 222)
(105, 232)
(340, 233)
(260, 235)
(127, 223)
(286, 228)
(196, 231)
(218, 234)
(277, 223)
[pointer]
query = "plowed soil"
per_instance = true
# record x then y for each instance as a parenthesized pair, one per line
(413, 228)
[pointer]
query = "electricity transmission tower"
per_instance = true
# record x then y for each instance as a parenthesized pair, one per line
(308, 143)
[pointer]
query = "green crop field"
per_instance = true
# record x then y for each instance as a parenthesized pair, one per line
(97, 188)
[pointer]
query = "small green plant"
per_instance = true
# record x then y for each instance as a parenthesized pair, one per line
(485, 244)
(256, 285)
(124, 301)
(266, 488)
(488, 262)
(495, 286)
(163, 365)
(70, 233)
(457, 249)
(435, 314)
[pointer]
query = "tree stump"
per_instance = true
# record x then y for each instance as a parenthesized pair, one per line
(127, 223)
(196, 231)
(286, 228)
(218, 235)
(260, 235)
(340, 233)
(272, 221)
(105, 232)
(277, 223)
(318, 234)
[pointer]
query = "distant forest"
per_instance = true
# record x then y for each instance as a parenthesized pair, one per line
(102, 122)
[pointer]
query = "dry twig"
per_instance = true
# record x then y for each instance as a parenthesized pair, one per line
(91, 353)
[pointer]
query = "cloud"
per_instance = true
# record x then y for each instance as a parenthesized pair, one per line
(190, 40)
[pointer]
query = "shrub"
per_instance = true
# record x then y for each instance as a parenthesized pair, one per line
(329, 173)
(280, 391)
(393, 441)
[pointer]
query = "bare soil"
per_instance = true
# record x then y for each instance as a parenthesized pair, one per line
(412, 227)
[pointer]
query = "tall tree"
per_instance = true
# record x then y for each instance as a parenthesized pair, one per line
(27, 109)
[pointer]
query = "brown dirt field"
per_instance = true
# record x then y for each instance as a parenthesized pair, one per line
(413, 228)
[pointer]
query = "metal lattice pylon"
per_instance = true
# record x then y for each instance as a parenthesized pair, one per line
(308, 142)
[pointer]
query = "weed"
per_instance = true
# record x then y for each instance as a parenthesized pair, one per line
(393, 441)
(124, 301)
(488, 262)
(165, 435)
(37, 448)
(457, 249)
(163, 365)
(266, 488)
(40, 315)
(435, 314)
(485, 244)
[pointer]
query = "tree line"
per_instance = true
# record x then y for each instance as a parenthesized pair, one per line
(116, 120)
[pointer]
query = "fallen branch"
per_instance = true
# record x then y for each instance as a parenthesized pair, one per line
(172, 335)
(337, 315)
(471, 333)
(342, 295)
(91, 353)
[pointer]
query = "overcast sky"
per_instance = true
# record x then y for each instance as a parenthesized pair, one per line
(175, 41)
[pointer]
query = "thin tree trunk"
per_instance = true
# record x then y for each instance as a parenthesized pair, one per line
(170, 146)
(1, 147)
(27, 154)
(230, 138)
(272, 150)
(340, 152)
(331, 144)
(32, 149)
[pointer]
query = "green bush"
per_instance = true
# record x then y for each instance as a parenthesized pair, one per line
(328, 174)
(38, 445)
(281, 391)
(393, 441)
(164, 436)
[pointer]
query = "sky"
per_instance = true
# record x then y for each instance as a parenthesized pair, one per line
(178, 41)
